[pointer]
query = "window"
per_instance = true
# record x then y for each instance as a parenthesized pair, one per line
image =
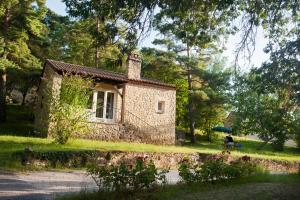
(102, 106)
(160, 107)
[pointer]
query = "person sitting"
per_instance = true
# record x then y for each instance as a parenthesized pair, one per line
(228, 142)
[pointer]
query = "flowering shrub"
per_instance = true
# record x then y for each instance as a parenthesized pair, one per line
(125, 178)
(188, 172)
(216, 168)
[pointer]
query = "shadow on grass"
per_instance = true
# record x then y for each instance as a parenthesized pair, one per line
(248, 147)
(19, 121)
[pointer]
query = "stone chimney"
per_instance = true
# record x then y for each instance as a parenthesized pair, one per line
(133, 65)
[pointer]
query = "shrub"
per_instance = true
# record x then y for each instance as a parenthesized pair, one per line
(68, 112)
(127, 178)
(212, 170)
(216, 168)
(189, 173)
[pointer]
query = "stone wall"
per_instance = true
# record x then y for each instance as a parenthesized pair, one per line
(142, 123)
(123, 132)
(141, 110)
(49, 87)
(160, 159)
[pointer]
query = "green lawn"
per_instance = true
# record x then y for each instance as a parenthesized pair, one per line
(259, 187)
(20, 124)
(11, 144)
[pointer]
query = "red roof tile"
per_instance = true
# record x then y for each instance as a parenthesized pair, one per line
(100, 73)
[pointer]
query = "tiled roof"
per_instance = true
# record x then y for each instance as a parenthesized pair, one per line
(88, 71)
(100, 73)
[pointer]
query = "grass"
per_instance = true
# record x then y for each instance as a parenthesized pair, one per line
(262, 187)
(19, 121)
(11, 144)
(20, 124)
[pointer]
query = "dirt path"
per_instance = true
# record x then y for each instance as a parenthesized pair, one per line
(48, 185)
(42, 185)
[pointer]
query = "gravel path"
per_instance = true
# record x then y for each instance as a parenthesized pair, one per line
(48, 185)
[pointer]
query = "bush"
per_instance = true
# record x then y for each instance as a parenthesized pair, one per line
(188, 173)
(68, 112)
(126, 178)
(216, 169)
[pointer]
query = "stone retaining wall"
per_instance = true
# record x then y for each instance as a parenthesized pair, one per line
(127, 133)
(161, 160)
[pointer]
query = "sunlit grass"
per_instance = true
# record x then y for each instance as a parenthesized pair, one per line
(11, 144)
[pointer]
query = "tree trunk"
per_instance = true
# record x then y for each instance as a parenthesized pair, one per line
(24, 96)
(97, 43)
(6, 24)
(261, 146)
(2, 96)
(190, 102)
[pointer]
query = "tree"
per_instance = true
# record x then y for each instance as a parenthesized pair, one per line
(114, 22)
(212, 98)
(279, 19)
(162, 65)
(192, 27)
(273, 88)
(20, 20)
(265, 114)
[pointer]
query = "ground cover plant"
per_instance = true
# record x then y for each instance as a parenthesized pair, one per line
(262, 186)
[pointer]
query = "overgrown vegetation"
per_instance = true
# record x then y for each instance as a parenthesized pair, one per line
(217, 168)
(127, 178)
(68, 112)
(263, 186)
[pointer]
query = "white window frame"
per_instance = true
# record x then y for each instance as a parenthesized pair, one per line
(92, 111)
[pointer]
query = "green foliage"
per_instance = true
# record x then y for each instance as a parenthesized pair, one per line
(276, 117)
(68, 111)
(75, 42)
(296, 128)
(189, 174)
(122, 178)
(161, 65)
(216, 168)
(211, 98)
(21, 22)
(118, 22)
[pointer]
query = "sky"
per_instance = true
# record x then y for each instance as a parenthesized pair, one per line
(257, 59)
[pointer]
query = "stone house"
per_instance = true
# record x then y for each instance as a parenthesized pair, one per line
(124, 106)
